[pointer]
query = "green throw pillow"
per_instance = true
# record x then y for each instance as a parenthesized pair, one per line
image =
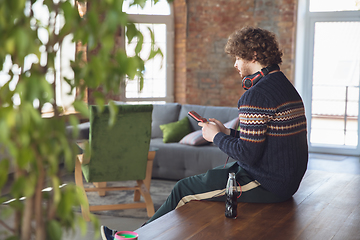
(175, 131)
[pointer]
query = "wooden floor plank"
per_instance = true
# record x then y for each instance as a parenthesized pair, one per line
(250, 226)
(292, 224)
(176, 220)
(310, 183)
(202, 216)
(349, 195)
(331, 214)
(301, 216)
(350, 230)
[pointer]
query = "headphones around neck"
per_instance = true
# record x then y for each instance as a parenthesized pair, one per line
(251, 80)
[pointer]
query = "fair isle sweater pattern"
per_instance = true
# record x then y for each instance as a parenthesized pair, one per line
(285, 120)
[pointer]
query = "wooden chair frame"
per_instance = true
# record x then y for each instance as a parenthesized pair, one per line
(141, 188)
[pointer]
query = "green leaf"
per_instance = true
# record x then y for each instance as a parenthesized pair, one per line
(113, 111)
(152, 36)
(47, 89)
(10, 45)
(35, 116)
(68, 155)
(71, 16)
(56, 189)
(141, 3)
(108, 42)
(99, 100)
(12, 238)
(18, 187)
(10, 115)
(5, 130)
(25, 154)
(153, 53)
(82, 108)
(69, 199)
(133, 65)
(141, 82)
(111, 20)
(22, 41)
(122, 17)
(30, 185)
(4, 168)
(98, 71)
(139, 43)
(131, 31)
(53, 230)
(74, 121)
(5, 211)
(82, 225)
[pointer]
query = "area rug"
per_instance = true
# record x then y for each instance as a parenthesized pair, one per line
(159, 191)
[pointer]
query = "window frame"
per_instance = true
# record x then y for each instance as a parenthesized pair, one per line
(168, 20)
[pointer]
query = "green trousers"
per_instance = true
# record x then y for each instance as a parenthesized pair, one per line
(211, 186)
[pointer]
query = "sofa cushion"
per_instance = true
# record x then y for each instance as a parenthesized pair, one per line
(175, 131)
(223, 114)
(232, 123)
(163, 114)
(194, 138)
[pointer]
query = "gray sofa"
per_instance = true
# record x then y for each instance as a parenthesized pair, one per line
(176, 160)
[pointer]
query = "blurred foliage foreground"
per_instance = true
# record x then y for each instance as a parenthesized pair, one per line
(33, 145)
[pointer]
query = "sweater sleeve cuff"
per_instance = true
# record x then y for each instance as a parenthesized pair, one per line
(218, 138)
(234, 133)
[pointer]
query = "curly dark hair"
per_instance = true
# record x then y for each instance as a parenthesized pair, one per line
(254, 43)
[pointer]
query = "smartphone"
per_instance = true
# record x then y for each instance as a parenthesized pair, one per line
(197, 117)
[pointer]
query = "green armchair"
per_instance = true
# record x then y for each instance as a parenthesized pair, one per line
(118, 153)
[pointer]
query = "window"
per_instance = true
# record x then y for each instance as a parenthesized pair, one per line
(334, 5)
(335, 92)
(158, 74)
(327, 73)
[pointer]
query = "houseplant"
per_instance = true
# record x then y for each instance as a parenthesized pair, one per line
(35, 144)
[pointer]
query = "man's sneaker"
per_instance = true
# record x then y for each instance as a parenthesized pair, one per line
(107, 233)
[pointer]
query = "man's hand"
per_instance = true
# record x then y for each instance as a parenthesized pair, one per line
(211, 128)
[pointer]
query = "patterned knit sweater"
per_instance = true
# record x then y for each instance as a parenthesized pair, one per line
(271, 144)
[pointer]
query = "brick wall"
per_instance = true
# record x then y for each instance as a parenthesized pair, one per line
(204, 74)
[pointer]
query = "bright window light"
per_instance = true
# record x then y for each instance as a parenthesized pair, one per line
(334, 5)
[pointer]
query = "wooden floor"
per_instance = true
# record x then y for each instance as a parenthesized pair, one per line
(326, 206)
